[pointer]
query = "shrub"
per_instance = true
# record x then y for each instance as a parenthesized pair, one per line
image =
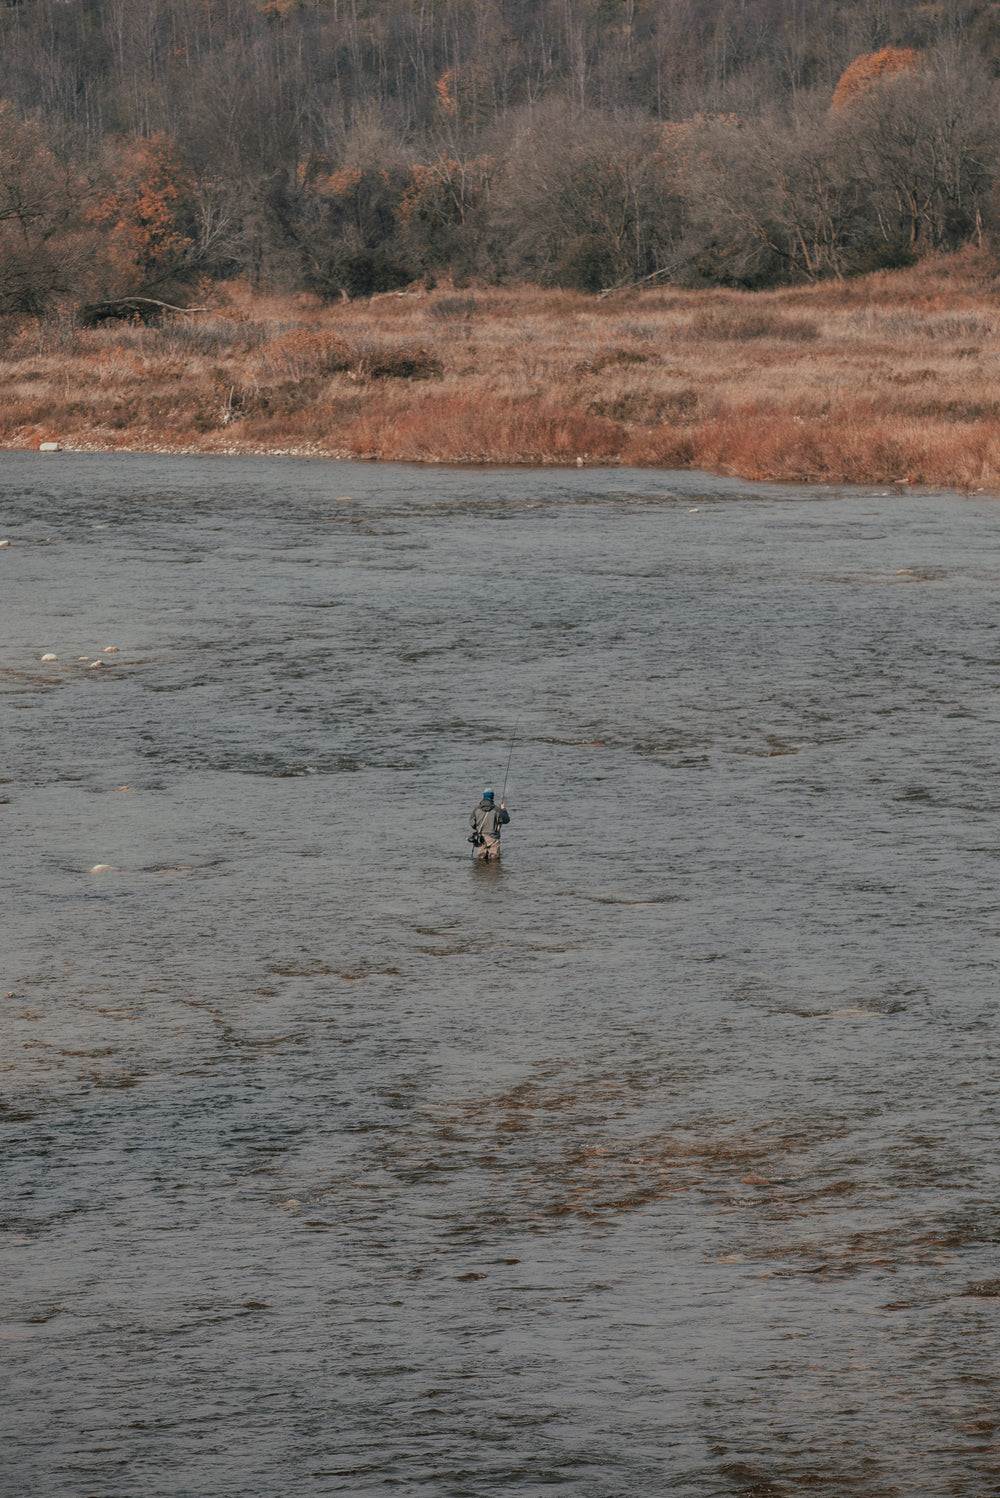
(587, 263)
(895, 253)
(371, 272)
(650, 407)
(611, 358)
(744, 324)
(388, 361)
(457, 308)
(210, 335)
(304, 352)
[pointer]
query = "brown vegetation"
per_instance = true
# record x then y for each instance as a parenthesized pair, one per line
(148, 149)
(889, 379)
(867, 72)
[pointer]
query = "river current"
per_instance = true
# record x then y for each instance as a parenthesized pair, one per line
(660, 1158)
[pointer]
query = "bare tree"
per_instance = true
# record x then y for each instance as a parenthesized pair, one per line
(595, 188)
(40, 233)
(924, 150)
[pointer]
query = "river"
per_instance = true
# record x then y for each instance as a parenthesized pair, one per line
(660, 1157)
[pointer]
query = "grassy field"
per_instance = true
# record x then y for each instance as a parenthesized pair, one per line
(893, 378)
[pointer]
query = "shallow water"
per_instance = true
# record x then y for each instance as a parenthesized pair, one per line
(660, 1157)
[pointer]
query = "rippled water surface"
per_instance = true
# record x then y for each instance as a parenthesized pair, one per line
(660, 1158)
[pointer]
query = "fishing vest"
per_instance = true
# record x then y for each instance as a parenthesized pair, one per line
(487, 819)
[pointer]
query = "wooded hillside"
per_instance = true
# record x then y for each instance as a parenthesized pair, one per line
(353, 146)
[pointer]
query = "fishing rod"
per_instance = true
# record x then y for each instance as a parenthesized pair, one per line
(507, 771)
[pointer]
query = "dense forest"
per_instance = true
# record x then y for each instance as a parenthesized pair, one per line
(352, 146)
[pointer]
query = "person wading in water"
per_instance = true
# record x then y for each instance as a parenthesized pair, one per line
(486, 821)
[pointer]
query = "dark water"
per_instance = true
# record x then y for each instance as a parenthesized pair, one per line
(661, 1158)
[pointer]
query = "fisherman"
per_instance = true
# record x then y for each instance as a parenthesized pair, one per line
(486, 821)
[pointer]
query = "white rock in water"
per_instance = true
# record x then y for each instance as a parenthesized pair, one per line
(50, 657)
(50, 447)
(4, 543)
(100, 868)
(93, 663)
(111, 650)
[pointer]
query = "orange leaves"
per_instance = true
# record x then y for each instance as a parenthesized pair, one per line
(870, 69)
(311, 168)
(445, 90)
(342, 184)
(144, 213)
(424, 197)
(315, 174)
(464, 97)
(444, 190)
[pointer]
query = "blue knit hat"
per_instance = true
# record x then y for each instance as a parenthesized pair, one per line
(487, 795)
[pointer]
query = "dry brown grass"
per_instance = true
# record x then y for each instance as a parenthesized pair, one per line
(891, 378)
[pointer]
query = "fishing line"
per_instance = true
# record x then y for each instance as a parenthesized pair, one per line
(507, 771)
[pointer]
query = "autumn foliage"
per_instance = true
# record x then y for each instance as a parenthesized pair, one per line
(872, 68)
(143, 215)
(547, 231)
(351, 149)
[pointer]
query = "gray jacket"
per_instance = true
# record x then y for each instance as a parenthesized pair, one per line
(488, 818)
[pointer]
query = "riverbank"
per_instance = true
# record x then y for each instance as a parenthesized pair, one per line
(893, 378)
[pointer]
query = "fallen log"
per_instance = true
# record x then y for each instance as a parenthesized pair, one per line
(125, 308)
